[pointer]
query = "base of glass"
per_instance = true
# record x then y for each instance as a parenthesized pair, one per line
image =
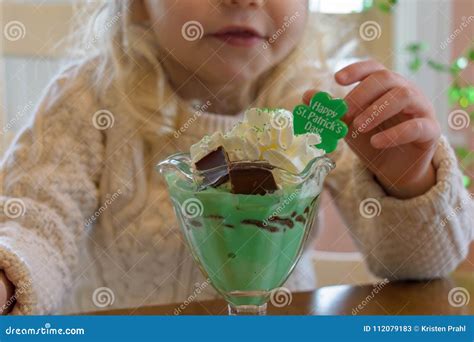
(247, 310)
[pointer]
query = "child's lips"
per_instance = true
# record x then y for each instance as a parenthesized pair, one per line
(239, 36)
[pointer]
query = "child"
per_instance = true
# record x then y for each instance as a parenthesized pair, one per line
(86, 221)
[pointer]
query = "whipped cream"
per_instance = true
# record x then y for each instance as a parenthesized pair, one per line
(266, 135)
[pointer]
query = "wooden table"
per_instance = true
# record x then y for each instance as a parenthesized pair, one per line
(392, 298)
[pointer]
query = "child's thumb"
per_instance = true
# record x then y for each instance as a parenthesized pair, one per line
(308, 95)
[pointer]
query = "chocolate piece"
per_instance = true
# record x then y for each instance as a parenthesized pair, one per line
(214, 168)
(251, 178)
(245, 177)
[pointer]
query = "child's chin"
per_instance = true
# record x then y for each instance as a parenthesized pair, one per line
(238, 76)
(239, 72)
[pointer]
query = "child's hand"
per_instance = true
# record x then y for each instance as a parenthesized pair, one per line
(6, 292)
(392, 128)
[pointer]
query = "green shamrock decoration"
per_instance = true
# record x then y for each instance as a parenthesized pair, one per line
(322, 116)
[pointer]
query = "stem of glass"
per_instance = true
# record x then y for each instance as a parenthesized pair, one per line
(247, 310)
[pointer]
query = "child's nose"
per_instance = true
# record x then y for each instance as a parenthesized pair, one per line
(244, 3)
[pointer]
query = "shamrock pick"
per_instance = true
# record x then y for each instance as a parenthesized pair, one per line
(322, 116)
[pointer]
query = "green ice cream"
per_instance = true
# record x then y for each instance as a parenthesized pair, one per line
(244, 242)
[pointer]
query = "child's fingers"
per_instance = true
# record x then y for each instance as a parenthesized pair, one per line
(417, 130)
(357, 72)
(308, 95)
(370, 89)
(390, 104)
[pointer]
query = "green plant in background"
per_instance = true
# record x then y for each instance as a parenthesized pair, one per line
(383, 5)
(460, 93)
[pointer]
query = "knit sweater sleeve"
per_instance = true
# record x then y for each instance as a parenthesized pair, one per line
(419, 238)
(50, 182)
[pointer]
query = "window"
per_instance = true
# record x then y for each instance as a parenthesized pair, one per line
(339, 6)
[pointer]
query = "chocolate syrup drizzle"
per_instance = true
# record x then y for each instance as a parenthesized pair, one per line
(285, 222)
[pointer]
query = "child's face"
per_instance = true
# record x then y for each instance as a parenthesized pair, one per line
(234, 44)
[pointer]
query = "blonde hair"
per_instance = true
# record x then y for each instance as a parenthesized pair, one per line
(125, 58)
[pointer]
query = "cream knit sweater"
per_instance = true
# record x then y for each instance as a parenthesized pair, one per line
(84, 210)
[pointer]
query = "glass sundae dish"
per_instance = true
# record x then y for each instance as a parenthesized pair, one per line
(246, 201)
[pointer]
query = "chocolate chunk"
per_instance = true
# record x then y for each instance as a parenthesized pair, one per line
(214, 168)
(252, 178)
